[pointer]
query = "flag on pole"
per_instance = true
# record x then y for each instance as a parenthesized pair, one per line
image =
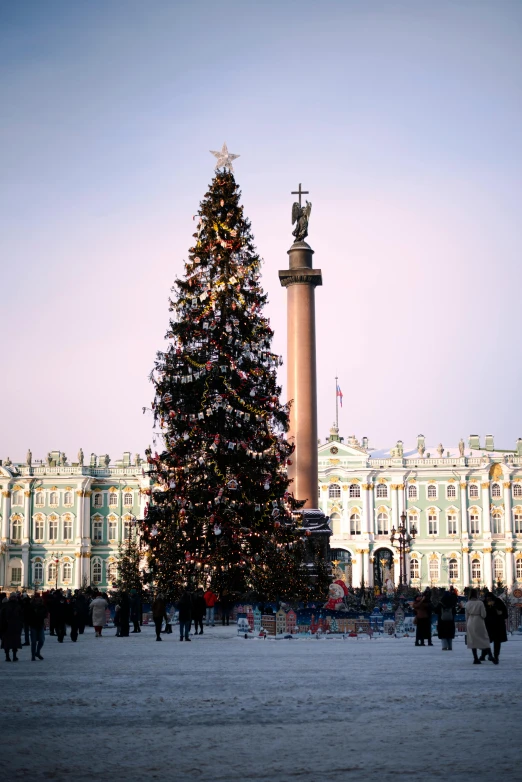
(340, 394)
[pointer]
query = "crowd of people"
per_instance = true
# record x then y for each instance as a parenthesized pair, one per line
(485, 622)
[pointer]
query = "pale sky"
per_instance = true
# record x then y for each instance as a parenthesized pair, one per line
(402, 119)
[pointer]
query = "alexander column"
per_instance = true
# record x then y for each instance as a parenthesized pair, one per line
(300, 280)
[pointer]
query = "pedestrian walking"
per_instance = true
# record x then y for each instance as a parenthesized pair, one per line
(446, 610)
(496, 615)
(26, 610)
(159, 613)
(37, 617)
(82, 611)
(423, 609)
(185, 615)
(476, 634)
(11, 625)
(225, 603)
(210, 602)
(60, 616)
(199, 609)
(71, 617)
(97, 609)
(135, 610)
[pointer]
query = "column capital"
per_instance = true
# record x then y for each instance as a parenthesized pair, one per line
(507, 484)
(485, 485)
(463, 485)
(302, 276)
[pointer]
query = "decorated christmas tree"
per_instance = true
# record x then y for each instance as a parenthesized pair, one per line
(221, 512)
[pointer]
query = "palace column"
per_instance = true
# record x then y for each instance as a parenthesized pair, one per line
(488, 573)
(510, 575)
(486, 510)
(400, 495)
(465, 567)
(394, 506)
(463, 509)
(368, 508)
(6, 513)
(27, 575)
(508, 510)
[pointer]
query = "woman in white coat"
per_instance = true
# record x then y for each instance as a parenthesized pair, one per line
(97, 609)
(476, 634)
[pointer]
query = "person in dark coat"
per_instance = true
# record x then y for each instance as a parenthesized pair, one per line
(60, 615)
(185, 615)
(82, 611)
(159, 613)
(446, 611)
(124, 615)
(199, 609)
(135, 610)
(37, 624)
(71, 617)
(226, 601)
(496, 615)
(423, 609)
(52, 601)
(11, 625)
(26, 610)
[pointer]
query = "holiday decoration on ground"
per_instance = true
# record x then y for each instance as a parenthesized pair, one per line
(221, 512)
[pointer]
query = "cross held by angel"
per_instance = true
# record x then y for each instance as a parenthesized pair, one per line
(300, 216)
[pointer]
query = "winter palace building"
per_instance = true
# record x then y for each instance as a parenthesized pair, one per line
(63, 523)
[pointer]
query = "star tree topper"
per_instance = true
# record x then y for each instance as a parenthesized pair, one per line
(224, 158)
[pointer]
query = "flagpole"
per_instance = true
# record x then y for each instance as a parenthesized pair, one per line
(336, 405)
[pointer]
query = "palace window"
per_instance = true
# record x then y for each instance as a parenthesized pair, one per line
(39, 529)
(476, 571)
(39, 498)
(517, 490)
(18, 498)
(412, 492)
(68, 498)
(127, 528)
(98, 500)
(113, 529)
(53, 529)
(127, 498)
(97, 527)
(518, 523)
(474, 524)
(16, 531)
(335, 524)
(382, 490)
(96, 571)
(113, 498)
(452, 524)
(433, 526)
(355, 524)
(355, 490)
(496, 523)
(51, 572)
(451, 491)
(67, 571)
(382, 524)
(518, 569)
(495, 490)
(434, 569)
(453, 569)
(414, 568)
(67, 528)
(16, 575)
(413, 521)
(112, 572)
(334, 491)
(473, 490)
(432, 491)
(498, 569)
(53, 498)
(38, 573)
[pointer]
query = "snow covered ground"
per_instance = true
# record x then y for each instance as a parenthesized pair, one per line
(223, 708)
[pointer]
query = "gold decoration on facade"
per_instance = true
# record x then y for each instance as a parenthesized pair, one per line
(462, 485)
(113, 489)
(87, 493)
(412, 480)
(465, 550)
(518, 555)
(382, 480)
(485, 485)
(17, 487)
(77, 555)
(367, 486)
(128, 488)
(507, 484)
(6, 494)
(487, 550)
(473, 480)
(334, 462)
(331, 479)
(495, 472)
(323, 488)
(475, 557)
(16, 517)
(27, 493)
(345, 487)
(80, 493)
(433, 557)
(451, 480)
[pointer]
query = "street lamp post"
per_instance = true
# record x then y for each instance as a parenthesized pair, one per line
(402, 539)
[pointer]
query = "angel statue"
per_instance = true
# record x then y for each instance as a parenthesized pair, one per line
(301, 216)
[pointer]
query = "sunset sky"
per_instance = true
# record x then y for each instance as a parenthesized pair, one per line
(402, 119)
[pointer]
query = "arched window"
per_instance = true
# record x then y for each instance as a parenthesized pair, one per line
(68, 498)
(335, 523)
(434, 569)
(355, 524)
(476, 571)
(518, 522)
(355, 490)
(496, 523)
(96, 571)
(127, 527)
(53, 528)
(413, 521)
(53, 498)
(97, 531)
(382, 490)
(518, 569)
(38, 573)
(334, 491)
(495, 490)
(432, 491)
(67, 571)
(412, 492)
(113, 528)
(451, 491)
(17, 498)
(382, 524)
(127, 498)
(39, 498)
(473, 490)
(112, 572)
(453, 569)
(474, 524)
(433, 524)
(51, 572)
(16, 531)
(98, 500)
(498, 569)
(452, 524)
(39, 528)
(414, 568)
(517, 490)
(113, 498)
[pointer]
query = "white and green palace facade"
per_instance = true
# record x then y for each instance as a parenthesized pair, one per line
(62, 523)
(465, 502)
